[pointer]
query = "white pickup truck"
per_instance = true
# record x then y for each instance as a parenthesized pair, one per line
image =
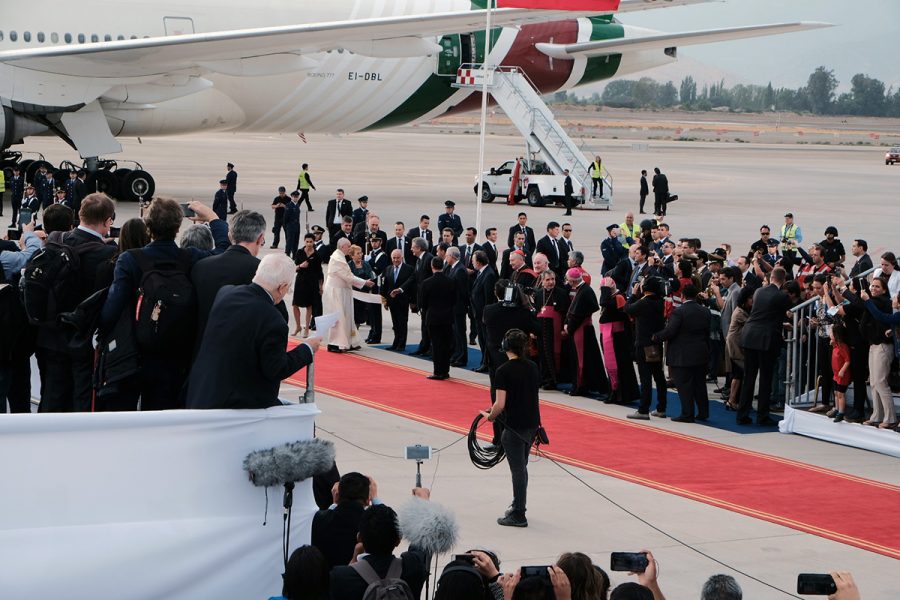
(537, 184)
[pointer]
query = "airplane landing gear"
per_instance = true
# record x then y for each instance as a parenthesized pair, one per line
(120, 183)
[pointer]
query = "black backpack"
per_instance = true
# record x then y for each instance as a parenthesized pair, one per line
(51, 284)
(166, 309)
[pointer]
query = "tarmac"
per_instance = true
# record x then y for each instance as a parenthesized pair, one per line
(726, 192)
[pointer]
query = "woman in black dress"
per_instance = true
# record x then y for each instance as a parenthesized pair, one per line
(308, 283)
(617, 344)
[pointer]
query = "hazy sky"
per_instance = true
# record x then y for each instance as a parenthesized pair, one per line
(865, 39)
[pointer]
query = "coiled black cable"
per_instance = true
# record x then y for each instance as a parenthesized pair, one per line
(483, 457)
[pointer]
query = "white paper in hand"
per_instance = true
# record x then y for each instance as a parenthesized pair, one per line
(324, 323)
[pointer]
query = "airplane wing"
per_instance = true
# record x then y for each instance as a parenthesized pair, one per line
(668, 40)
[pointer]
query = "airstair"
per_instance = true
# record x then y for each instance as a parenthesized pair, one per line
(518, 97)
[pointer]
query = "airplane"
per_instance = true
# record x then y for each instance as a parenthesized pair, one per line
(132, 68)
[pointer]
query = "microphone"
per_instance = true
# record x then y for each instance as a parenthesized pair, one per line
(428, 525)
(288, 463)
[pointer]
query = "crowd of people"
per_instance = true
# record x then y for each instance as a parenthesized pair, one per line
(661, 311)
(353, 555)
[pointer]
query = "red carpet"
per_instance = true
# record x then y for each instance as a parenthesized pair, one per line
(826, 503)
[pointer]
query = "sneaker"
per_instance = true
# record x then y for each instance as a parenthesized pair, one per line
(838, 417)
(638, 415)
(831, 413)
(513, 520)
(659, 414)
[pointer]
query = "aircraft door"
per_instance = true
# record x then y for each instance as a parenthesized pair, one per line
(178, 25)
(456, 50)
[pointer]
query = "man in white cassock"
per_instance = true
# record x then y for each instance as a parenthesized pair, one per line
(337, 297)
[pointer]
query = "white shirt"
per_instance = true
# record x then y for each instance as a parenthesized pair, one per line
(893, 281)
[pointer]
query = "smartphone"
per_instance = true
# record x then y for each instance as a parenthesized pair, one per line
(14, 234)
(469, 559)
(633, 562)
(115, 232)
(536, 572)
(815, 584)
(188, 212)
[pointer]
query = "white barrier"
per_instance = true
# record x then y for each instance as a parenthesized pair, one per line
(145, 505)
(801, 422)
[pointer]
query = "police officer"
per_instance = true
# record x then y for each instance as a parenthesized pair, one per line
(231, 188)
(379, 261)
(362, 211)
(278, 204)
(450, 220)
(2, 189)
(304, 184)
(44, 183)
(29, 206)
(61, 197)
(292, 224)
(220, 200)
(16, 187)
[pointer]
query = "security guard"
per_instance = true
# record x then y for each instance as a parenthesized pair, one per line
(220, 200)
(292, 224)
(362, 211)
(451, 221)
(16, 190)
(278, 204)
(44, 183)
(597, 177)
(231, 179)
(61, 197)
(304, 184)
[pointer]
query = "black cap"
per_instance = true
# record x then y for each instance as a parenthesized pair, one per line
(718, 252)
(295, 194)
(831, 229)
(28, 185)
(449, 204)
(611, 227)
(318, 229)
(374, 237)
(772, 243)
(362, 199)
(223, 182)
(791, 215)
(230, 165)
(281, 188)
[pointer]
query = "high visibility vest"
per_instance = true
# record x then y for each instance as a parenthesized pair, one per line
(596, 170)
(2, 182)
(304, 184)
(787, 235)
(634, 232)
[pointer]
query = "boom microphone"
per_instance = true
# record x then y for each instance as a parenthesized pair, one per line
(428, 525)
(288, 463)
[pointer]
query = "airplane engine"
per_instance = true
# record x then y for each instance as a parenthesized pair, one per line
(15, 127)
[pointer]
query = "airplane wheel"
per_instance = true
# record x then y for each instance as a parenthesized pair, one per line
(33, 168)
(24, 168)
(121, 174)
(138, 185)
(105, 182)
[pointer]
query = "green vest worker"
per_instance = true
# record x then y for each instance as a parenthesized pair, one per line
(790, 233)
(304, 184)
(597, 177)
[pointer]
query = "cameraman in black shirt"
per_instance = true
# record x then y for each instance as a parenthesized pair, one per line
(517, 382)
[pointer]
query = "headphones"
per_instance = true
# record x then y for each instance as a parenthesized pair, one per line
(505, 345)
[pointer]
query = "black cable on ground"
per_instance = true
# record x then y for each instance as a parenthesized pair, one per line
(483, 457)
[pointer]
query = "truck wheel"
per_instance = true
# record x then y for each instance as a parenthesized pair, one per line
(534, 197)
(486, 195)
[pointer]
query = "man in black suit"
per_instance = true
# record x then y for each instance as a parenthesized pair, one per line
(528, 232)
(645, 189)
(231, 179)
(379, 535)
(688, 355)
(422, 272)
(335, 530)
(490, 247)
(860, 249)
(761, 340)
(399, 288)
(467, 249)
(423, 232)
(345, 231)
(400, 242)
(235, 266)
(437, 299)
(379, 261)
(338, 208)
(660, 192)
(458, 274)
(482, 296)
(630, 269)
(557, 253)
(568, 190)
(245, 329)
(748, 277)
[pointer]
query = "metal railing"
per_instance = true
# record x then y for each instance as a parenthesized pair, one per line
(802, 382)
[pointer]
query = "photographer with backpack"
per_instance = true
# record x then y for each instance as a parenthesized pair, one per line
(56, 280)
(154, 285)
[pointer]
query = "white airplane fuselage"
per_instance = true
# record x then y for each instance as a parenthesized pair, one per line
(335, 92)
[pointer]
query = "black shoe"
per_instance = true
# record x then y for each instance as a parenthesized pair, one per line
(438, 377)
(702, 418)
(512, 520)
(232, 211)
(567, 214)
(767, 422)
(473, 342)
(480, 369)
(839, 417)
(550, 387)
(273, 247)
(335, 349)
(720, 390)
(311, 210)
(744, 421)
(683, 419)
(353, 348)
(577, 392)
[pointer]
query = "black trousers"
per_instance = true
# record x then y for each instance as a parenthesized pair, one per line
(691, 385)
(482, 343)
(659, 203)
(304, 196)
(15, 210)
(569, 203)
(68, 381)
(441, 346)
(823, 351)
(276, 232)
(159, 385)
(648, 373)
(1, 203)
(859, 361)
(231, 205)
(517, 445)
(425, 342)
(460, 341)
(643, 199)
(15, 384)
(762, 363)
(597, 184)
(374, 320)
(400, 320)
(291, 239)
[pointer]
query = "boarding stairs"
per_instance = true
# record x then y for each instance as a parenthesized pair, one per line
(518, 97)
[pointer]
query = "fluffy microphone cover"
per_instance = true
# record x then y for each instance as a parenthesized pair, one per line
(428, 525)
(296, 461)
